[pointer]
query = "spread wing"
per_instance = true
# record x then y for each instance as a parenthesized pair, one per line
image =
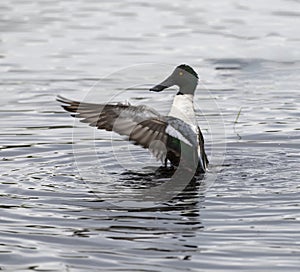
(142, 125)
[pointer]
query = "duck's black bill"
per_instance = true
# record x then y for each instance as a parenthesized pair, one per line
(158, 88)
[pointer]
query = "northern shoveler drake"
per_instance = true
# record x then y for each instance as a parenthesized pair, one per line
(175, 139)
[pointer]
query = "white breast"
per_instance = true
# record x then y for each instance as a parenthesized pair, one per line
(183, 108)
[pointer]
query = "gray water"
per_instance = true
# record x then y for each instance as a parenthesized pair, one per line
(248, 58)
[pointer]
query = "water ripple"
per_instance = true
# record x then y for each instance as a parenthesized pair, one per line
(247, 56)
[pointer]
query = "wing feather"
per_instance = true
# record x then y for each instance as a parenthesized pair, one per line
(142, 125)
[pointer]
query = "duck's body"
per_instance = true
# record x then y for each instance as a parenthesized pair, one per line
(175, 138)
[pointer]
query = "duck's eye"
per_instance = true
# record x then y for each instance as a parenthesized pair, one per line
(180, 73)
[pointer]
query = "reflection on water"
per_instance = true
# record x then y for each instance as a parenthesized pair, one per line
(247, 55)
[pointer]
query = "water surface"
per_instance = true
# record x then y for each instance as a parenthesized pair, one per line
(247, 56)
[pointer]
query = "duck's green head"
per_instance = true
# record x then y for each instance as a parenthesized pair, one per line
(184, 76)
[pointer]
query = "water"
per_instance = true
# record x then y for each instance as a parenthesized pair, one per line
(247, 55)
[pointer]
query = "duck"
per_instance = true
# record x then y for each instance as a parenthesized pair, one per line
(175, 139)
